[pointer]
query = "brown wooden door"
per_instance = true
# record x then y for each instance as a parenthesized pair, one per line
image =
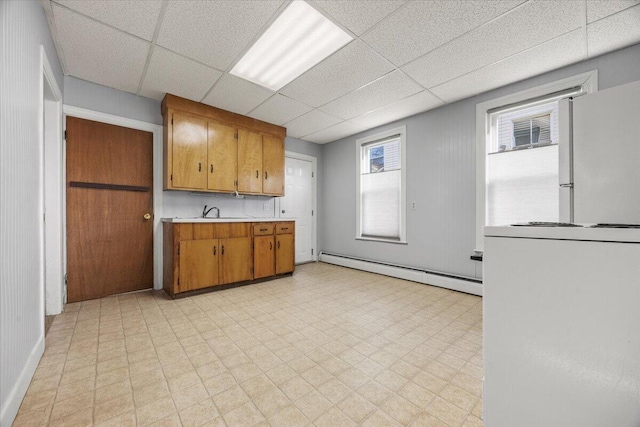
(236, 261)
(109, 198)
(198, 264)
(223, 157)
(249, 162)
(273, 164)
(189, 152)
(264, 259)
(285, 253)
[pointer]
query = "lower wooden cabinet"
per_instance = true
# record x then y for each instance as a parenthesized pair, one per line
(285, 253)
(205, 255)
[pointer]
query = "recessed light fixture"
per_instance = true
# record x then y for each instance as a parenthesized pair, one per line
(296, 41)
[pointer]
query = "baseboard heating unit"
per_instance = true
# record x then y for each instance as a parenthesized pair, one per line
(457, 283)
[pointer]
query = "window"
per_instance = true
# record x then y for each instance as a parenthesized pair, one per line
(517, 169)
(380, 184)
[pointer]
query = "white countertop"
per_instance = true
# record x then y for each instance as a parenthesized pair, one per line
(232, 219)
(566, 233)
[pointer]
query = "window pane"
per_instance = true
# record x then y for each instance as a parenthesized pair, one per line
(525, 126)
(380, 204)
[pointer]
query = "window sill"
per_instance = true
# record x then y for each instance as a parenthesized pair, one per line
(373, 239)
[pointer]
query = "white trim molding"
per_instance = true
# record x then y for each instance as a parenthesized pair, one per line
(52, 189)
(314, 198)
(587, 81)
(462, 284)
(402, 131)
(156, 130)
(14, 399)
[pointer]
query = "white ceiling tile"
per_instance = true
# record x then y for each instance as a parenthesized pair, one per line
(353, 66)
(614, 32)
(98, 53)
(598, 9)
(335, 132)
(237, 95)
(279, 109)
(556, 53)
(214, 32)
(311, 122)
(358, 15)
(386, 90)
(414, 104)
(168, 71)
(133, 16)
(421, 26)
(513, 32)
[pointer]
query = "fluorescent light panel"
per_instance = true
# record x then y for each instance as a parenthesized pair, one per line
(296, 41)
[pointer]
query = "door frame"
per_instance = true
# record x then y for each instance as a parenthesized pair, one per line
(156, 130)
(50, 159)
(314, 197)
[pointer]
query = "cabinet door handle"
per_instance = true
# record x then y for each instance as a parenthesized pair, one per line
(270, 245)
(278, 244)
(263, 229)
(266, 176)
(222, 249)
(214, 251)
(257, 175)
(211, 169)
(199, 167)
(284, 228)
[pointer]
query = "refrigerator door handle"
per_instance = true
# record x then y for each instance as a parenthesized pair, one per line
(570, 185)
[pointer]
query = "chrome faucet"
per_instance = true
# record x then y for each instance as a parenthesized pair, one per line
(206, 211)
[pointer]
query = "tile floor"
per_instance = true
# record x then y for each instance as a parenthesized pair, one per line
(329, 346)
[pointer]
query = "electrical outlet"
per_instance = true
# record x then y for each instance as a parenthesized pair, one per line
(265, 207)
(413, 205)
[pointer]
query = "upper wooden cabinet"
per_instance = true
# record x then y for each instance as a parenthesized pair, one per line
(208, 149)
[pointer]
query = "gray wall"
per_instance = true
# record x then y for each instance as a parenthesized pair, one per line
(81, 93)
(23, 29)
(441, 168)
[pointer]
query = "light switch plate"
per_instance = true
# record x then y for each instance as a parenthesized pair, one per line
(413, 205)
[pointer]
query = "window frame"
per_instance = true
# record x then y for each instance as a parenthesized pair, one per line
(360, 147)
(587, 81)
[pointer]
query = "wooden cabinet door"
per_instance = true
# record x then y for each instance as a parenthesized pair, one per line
(199, 265)
(249, 162)
(273, 164)
(189, 152)
(235, 260)
(285, 253)
(223, 157)
(264, 258)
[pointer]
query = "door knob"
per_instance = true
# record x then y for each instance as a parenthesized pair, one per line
(282, 210)
(147, 216)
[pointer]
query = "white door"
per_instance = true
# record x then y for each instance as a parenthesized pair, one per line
(297, 204)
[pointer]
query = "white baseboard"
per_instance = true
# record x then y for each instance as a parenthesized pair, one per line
(414, 275)
(13, 401)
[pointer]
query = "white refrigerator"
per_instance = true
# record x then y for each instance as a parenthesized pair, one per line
(600, 164)
(561, 309)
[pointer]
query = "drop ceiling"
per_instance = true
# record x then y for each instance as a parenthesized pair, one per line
(406, 57)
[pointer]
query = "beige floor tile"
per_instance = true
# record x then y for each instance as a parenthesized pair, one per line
(74, 404)
(425, 419)
(472, 421)
(357, 407)
(198, 414)
(189, 395)
(313, 404)
(380, 419)
(281, 374)
(155, 411)
(415, 394)
(458, 397)
(80, 418)
(34, 418)
(126, 419)
(445, 411)
(220, 383)
(400, 409)
(111, 408)
(375, 392)
(296, 387)
(245, 415)
(334, 417)
(230, 399)
(150, 393)
(112, 391)
(334, 390)
(289, 417)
